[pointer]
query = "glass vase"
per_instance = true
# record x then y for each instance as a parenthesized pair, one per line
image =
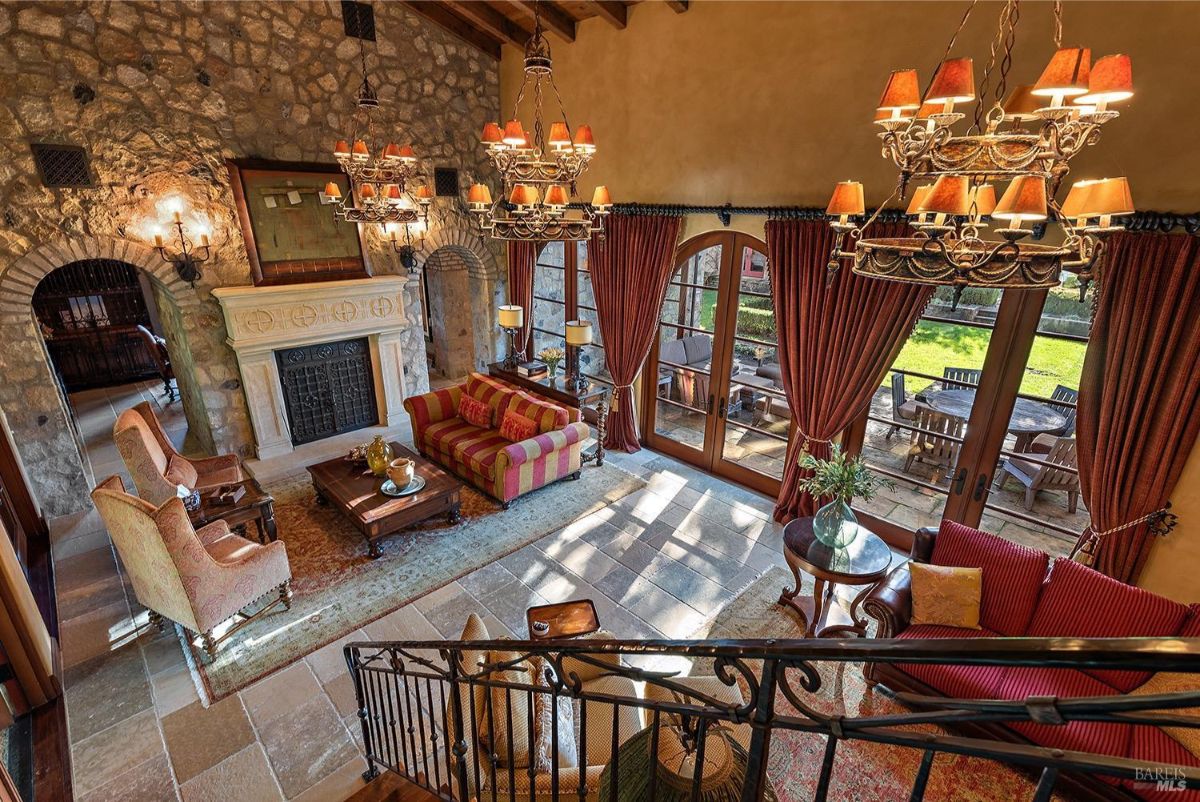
(835, 524)
(379, 456)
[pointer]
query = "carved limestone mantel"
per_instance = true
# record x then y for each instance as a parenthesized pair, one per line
(262, 320)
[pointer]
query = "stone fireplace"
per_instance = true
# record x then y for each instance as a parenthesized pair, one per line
(273, 326)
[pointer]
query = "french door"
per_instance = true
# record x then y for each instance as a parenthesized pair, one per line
(711, 386)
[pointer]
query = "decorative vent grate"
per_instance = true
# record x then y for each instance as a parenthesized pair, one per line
(328, 389)
(445, 182)
(62, 165)
(359, 20)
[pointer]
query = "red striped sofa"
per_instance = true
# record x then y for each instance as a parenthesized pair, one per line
(1024, 593)
(495, 465)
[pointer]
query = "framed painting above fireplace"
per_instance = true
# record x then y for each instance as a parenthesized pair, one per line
(291, 236)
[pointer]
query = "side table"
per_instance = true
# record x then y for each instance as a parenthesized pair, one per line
(864, 562)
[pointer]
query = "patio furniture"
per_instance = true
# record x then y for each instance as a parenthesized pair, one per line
(903, 410)
(157, 348)
(967, 375)
(1029, 418)
(1060, 474)
(933, 443)
(1071, 397)
(689, 363)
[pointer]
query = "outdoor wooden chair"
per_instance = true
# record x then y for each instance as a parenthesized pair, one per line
(1061, 473)
(903, 410)
(934, 442)
(1071, 398)
(965, 375)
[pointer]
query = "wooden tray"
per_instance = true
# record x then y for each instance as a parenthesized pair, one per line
(567, 619)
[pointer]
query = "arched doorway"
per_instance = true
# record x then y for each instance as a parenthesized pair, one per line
(460, 310)
(712, 391)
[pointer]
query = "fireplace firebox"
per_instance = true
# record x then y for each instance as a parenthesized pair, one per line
(328, 388)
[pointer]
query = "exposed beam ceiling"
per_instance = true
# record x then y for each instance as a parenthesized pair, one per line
(679, 6)
(554, 18)
(491, 21)
(610, 10)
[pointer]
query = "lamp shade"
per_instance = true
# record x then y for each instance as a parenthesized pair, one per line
(886, 114)
(560, 137)
(479, 194)
(927, 110)
(1021, 104)
(950, 194)
(511, 317)
(1076, 201)
(391, 152)
(392, 193)
(1109, 197)
(407, 154)
(601, 198)
(366, 191)
(579, 332)
(953, 82)
(901, 91)
(918, 198)
(847, 199)
(360, 150)
(984, 199)
(492, 135)
(1066, 74)
(1110, 80)
(523, 195)
(556, 195)
(424, 194)
(514, 133)
(341, 149)
(333, 191)
(1025, 199)
(583, 138)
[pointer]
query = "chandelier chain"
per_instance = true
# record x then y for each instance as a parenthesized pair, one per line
(962, 23)
(1005, 33)
(1058, 23)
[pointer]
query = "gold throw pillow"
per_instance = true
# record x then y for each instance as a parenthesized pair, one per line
(1173, 682)
(946, 595)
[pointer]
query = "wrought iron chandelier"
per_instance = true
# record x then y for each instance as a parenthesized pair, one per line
(1027, 137)
(538, 199)
(386, 186)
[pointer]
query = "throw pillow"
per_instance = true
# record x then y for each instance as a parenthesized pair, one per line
(493, 732)
(543, 725)
(181, 472)
(1173, 682)
(475, 412)
(946, 595)
(516, 427)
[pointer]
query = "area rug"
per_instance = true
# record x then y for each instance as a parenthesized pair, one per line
(863, 771)
(337, 589)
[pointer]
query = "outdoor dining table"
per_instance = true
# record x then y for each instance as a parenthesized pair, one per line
(1029, 418)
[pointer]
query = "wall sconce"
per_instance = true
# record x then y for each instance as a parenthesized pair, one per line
(408, 244)
(186, 257)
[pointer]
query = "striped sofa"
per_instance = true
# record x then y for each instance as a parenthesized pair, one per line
(495, 465)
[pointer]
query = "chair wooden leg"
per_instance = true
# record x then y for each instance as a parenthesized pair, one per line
(1072, 501)
(1003, 480)
(285, 594)
(159, 622)
(1030, 493)
(210, 645)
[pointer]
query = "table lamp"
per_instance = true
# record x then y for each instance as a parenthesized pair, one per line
(512, 318)
(578, 334)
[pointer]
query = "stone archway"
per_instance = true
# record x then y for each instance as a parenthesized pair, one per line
(36, 413)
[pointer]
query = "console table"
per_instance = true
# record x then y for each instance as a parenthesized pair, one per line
(560, 391)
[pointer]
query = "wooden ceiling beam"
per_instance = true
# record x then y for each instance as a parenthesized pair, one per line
(553, 17)
(491, 21)
(611, 10)
(678, 6)
(440, 14)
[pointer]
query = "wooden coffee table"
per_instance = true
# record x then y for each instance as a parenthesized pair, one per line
(354, 490)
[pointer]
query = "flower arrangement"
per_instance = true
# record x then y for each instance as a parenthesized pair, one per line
(552, 356)
(841, 477)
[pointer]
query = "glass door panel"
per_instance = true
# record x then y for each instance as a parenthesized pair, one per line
(592, 359)
(549, 299)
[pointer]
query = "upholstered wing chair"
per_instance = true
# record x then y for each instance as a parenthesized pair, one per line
(156, 467)
(196, 578)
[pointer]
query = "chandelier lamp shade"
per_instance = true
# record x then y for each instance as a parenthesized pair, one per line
(539, 169)
(1017, 144)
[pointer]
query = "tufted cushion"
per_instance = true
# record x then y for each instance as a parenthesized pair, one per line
(946, 595)
(474, 411)
(1081, 603)
(960, 682)
(516, 427)
(493, 392)
(547, 416)
(1012, 574)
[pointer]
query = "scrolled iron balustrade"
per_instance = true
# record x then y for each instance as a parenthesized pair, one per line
(408, 690)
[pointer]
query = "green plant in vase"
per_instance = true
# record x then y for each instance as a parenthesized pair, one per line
(841, 479)
(552, 356)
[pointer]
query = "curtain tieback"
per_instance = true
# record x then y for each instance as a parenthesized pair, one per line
(1161, 522)
(617, 387)
(808, 438)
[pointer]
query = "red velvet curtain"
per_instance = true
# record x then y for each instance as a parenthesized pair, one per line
(835, 343)
(630, 270)
(521, 258)
(1139, 398)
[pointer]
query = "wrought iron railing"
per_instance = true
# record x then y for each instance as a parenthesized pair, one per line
(408, 691)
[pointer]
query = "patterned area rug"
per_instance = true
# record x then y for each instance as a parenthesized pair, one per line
(338, 589)
(863, 771)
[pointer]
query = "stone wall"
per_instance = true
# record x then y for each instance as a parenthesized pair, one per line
(161, 94)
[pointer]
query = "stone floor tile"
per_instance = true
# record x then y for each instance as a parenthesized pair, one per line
(95, 632)
(80, 544)
(244, 776)
(450, 616)
(162, 650)
(105, 690)
(343, 782)
(199, 738)
(284, 690)
(149, 781)
(329, 661)
(340, 691)
(509, 603)
(306, 744)
(173, 689)
(110, 753)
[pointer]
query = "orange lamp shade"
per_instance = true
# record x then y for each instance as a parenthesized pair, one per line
(479, 194)
(886, 114)
(492, 135)
(392, 193)
(556, 195)
(524, 195)
(1021, 104)
(366, 191)
(360, 150)
(927, 110)
(954, 82)
(1025, 199)
(1110, 81)
(1109, 197)
(333, 191)
(391, 152)
(847, 200)
(950, 194)
(514, 133)
(1066, 74)
(341, 149)
(901, 92)
(984, 197)
(918, 198)
(560, 136)
(601, 197)
(583, 138)
(407, 154)
(424, 193)
(1076, 201)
